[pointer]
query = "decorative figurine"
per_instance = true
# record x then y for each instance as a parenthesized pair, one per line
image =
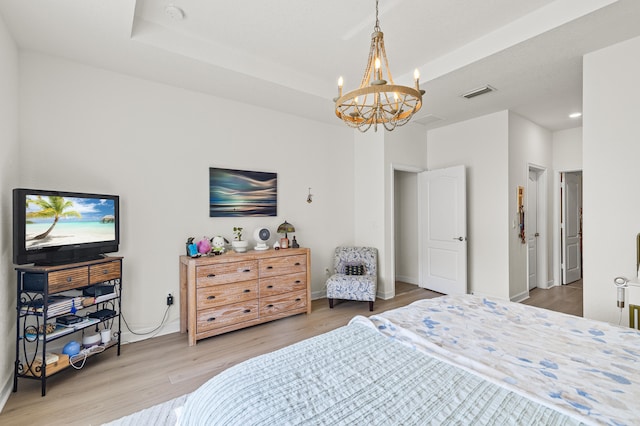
(218, 244)
(294, 243)
(192, 248)
(204, 245)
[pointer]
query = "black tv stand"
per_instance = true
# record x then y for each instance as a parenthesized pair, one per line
(47, 293)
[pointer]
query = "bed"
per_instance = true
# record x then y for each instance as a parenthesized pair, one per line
(449, 360)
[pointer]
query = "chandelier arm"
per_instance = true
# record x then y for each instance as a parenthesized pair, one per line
(366, 77)
(385, 61)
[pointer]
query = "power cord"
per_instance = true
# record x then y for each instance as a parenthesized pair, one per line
(137, 333)
(84, 354)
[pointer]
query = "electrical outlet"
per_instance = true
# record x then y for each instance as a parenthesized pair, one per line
(169, 299)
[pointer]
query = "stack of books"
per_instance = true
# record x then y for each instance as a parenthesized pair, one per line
(58, 305)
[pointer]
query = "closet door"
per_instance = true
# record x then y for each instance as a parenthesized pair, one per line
(443, 230)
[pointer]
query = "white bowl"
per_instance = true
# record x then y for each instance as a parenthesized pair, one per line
(92, 340)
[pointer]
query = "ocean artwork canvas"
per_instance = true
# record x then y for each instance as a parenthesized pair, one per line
(56, 221)
(242, 193)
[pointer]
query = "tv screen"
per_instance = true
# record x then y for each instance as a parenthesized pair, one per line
(52, 227)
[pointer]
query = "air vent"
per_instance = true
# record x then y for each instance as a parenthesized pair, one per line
(428, 119)
(479, 91)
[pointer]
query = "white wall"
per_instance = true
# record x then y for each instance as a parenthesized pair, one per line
(482, 146)
(611, 149)
(8, 179)
(375, 155)
(566, 150)
(86, 129)
(529, 145)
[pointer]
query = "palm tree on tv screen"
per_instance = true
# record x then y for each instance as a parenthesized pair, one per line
(53, 207)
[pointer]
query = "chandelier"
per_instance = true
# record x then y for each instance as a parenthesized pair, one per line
(378, 100)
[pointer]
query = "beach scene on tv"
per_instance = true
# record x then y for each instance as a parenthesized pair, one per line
(55, 221)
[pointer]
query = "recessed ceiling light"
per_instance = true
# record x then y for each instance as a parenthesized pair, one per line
(575, 115)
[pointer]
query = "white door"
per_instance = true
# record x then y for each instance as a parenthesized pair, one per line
(571, 250)
(443, 230)
(531, 228)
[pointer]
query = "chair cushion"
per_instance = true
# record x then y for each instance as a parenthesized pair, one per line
(353, 269)
(352, 287)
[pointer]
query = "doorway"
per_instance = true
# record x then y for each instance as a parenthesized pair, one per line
(536, 226)
(405, 225)
(571, 226)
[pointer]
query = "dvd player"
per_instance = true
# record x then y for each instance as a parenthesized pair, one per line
(102, 314)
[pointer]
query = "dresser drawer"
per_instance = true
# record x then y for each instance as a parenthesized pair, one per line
(273, 305)
(104, 272)
(207, 275)
(283, 265)
(222, 316)
(283, 284)
(68, 279)
(224, 294)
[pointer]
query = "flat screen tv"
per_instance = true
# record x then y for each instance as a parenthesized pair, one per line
(57, 227)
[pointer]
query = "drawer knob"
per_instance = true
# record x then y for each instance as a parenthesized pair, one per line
(298, 281)
(269, 306)
(297, 264)
(246, 311)
(69, 279)
(211, 297)
(105, 271)
(298, 299)
(246, 270)
(211, 275)
(211, 319)
(269, 286)
(247, 291)
(269, 267)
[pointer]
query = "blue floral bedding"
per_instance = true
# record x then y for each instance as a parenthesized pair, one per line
(587, 369)
(356, 376)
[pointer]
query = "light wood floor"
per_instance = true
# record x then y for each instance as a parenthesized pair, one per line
(566, 298)
(165, 367)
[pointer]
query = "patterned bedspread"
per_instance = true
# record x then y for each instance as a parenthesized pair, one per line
(357, 376)
(587, 369)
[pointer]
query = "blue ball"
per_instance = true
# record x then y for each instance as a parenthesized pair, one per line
(72, 348)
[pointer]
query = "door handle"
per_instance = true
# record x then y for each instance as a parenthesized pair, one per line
(537, 234)
(459, 238)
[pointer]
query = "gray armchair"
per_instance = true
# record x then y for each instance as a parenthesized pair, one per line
(355, 275)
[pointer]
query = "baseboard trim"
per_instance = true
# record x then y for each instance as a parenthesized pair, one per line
(7, 389)
(520, 297)
(129, 337)
(407, 279)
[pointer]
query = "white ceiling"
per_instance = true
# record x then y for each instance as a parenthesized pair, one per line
(287, 54)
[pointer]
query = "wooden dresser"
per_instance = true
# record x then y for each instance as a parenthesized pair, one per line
(236, 290)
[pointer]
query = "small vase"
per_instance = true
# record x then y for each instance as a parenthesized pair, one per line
(239, 246)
